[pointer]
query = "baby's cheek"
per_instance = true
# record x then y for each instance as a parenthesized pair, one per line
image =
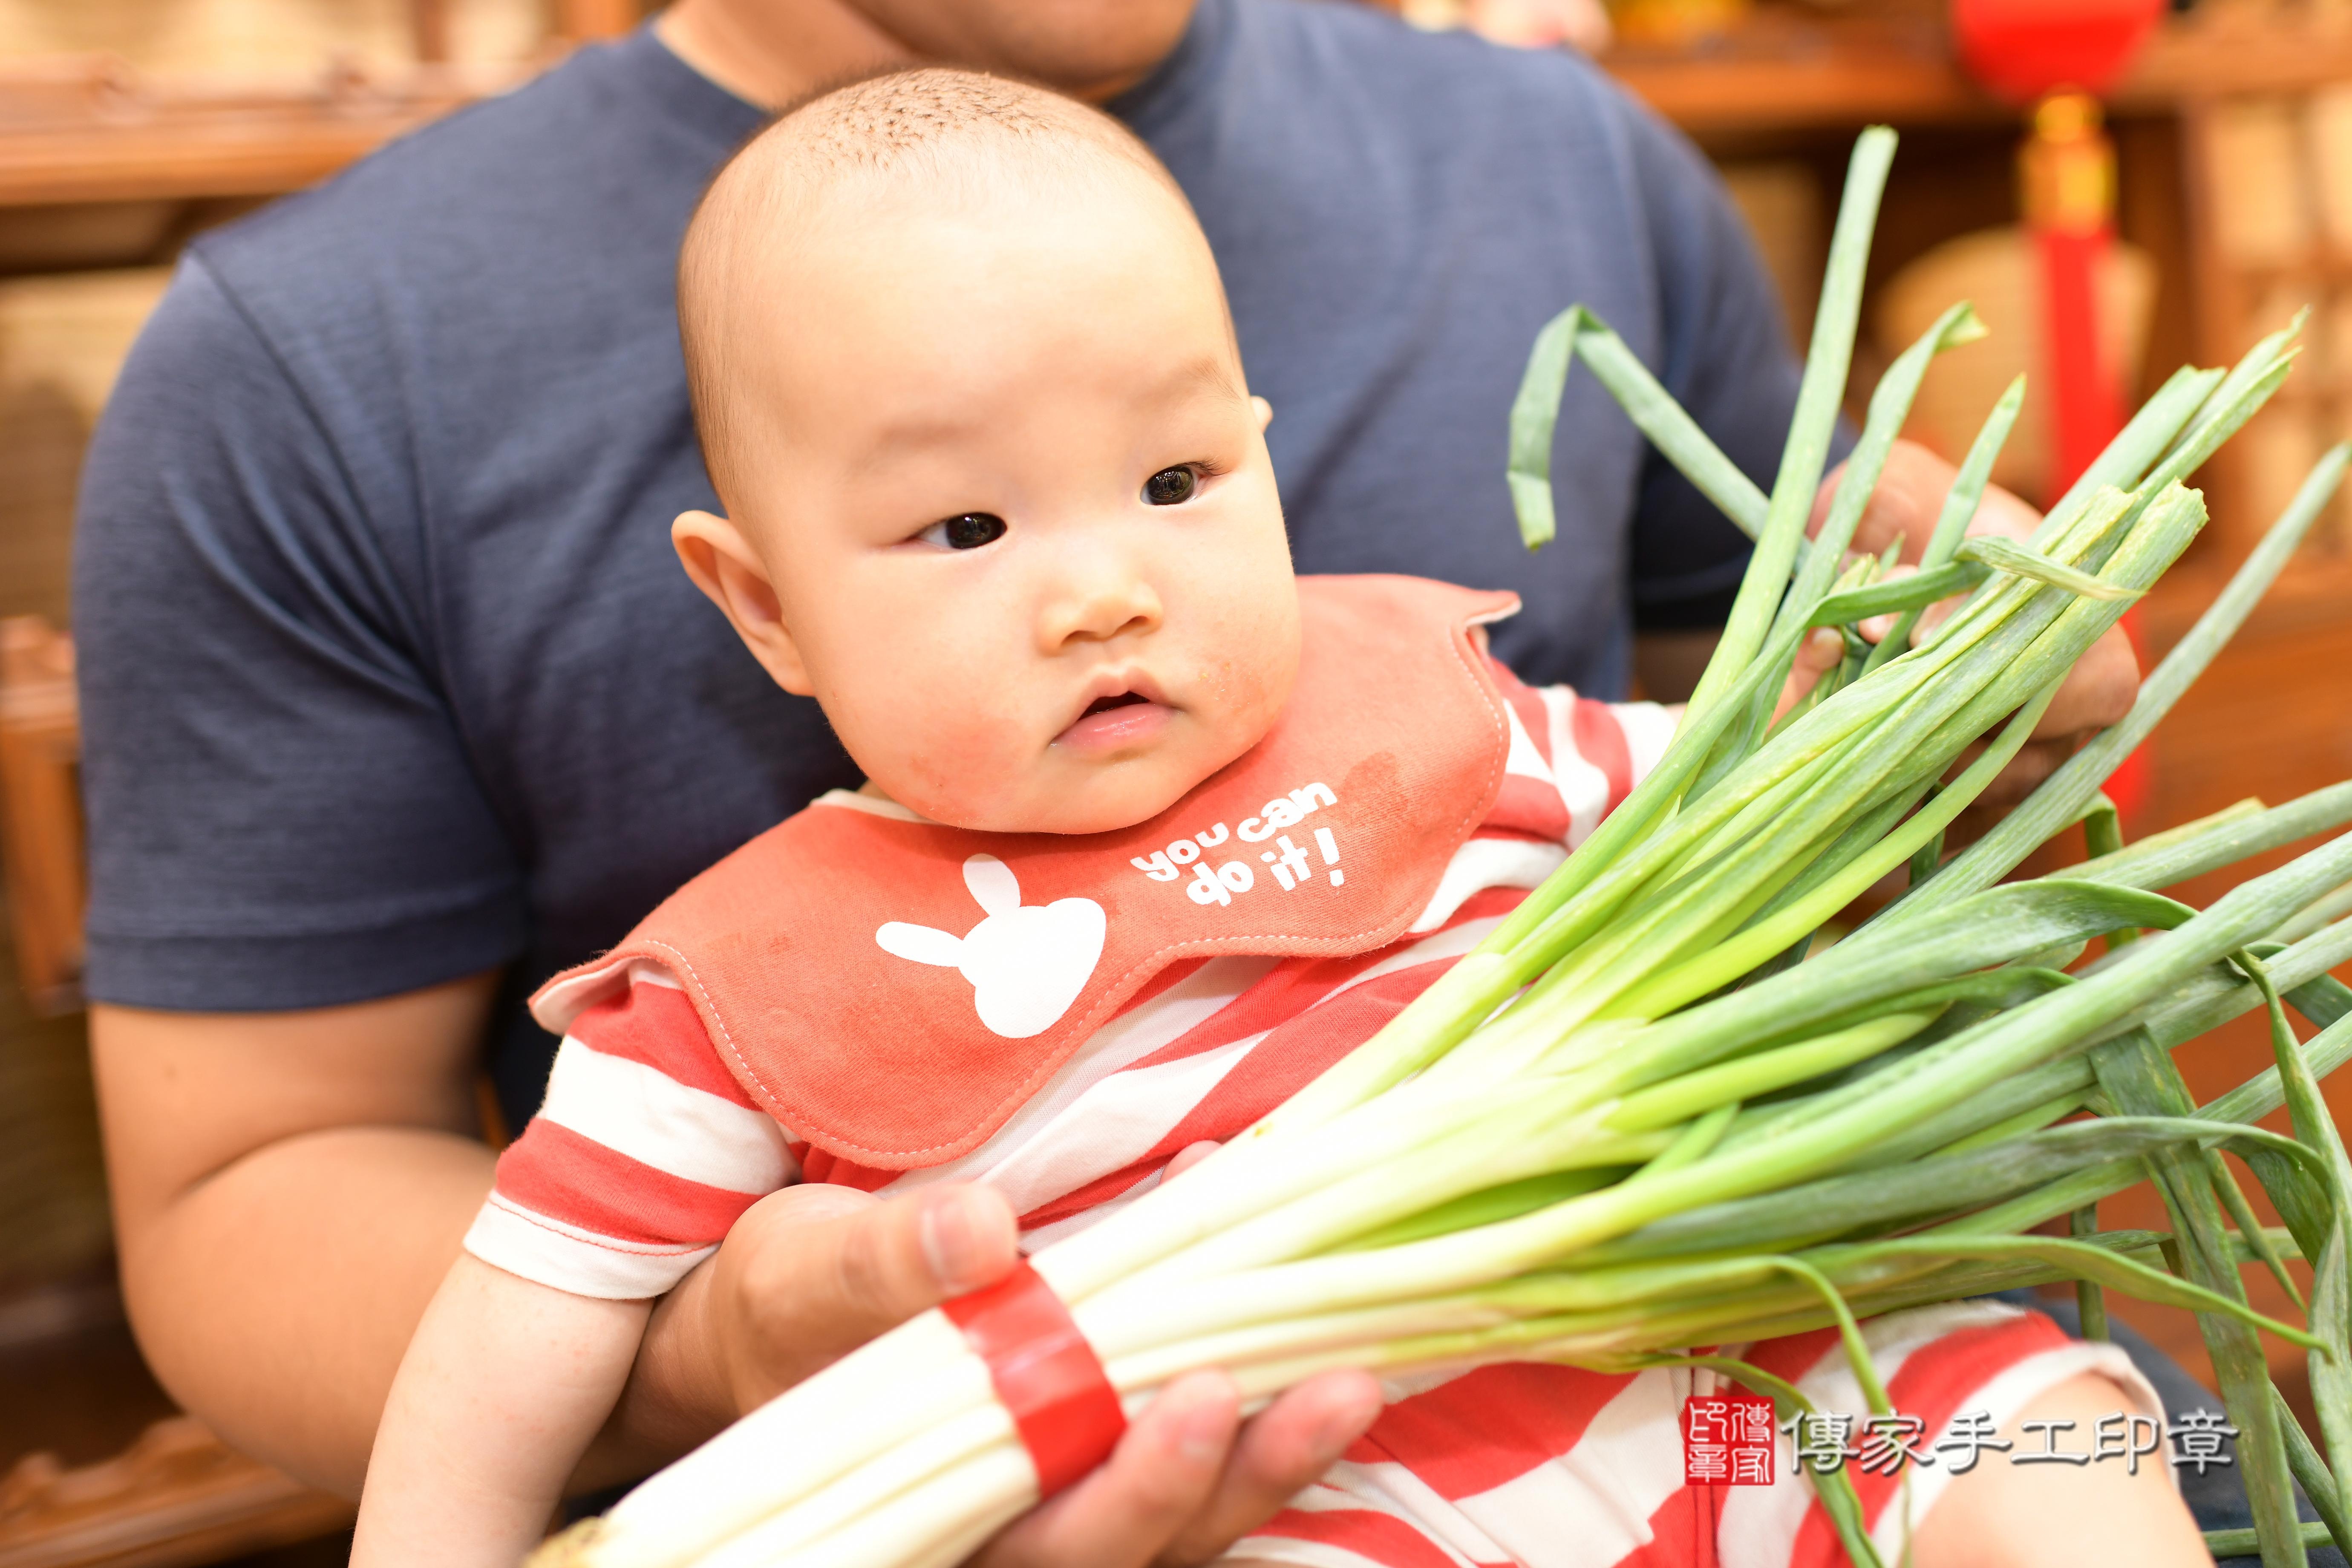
(1248, 693)
(954, 757)
(1249, 665)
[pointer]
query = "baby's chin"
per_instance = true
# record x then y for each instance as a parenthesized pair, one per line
(1069, 797)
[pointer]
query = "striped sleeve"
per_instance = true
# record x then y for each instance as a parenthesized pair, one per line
(1573, 759)
(642, 1155)
(1549, 1467)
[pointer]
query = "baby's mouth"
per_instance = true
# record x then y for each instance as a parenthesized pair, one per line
(1118, 722)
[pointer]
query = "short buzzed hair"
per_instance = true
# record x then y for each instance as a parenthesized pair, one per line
(933, 126)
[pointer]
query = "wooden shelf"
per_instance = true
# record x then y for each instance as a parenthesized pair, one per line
(2222, 57)
(1785, 71)
(89, 130)
(2321, 265)
(175, 1498)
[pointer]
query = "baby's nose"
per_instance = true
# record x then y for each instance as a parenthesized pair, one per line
(1098, 609)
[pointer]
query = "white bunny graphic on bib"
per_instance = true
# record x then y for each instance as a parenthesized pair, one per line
(1026, 963)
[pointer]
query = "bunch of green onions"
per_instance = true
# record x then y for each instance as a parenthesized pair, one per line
(1639, 1117)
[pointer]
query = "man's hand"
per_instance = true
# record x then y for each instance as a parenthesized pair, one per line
(812, 1272)
(2101, 686)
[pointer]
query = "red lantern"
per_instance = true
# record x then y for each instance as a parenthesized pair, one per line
(2026, 50)
(2054, 54)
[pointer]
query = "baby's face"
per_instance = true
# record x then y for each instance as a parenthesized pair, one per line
(1012, 501)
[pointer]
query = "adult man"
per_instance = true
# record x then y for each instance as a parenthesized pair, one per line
(380, 642)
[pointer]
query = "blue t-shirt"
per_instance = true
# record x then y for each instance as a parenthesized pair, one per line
(389, 675)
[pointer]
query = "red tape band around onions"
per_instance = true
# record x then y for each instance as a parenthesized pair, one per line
(1044, 1373)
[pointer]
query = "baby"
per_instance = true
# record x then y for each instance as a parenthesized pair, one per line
(1153, 832)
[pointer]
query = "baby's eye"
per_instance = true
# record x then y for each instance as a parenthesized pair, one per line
(969, 532)
(1170, 487)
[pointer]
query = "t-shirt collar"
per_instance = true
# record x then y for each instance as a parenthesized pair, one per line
(686, 94)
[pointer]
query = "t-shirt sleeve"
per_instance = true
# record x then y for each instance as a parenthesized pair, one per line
(1724, 352)
(1572, 760)
(282, 811)
(644, 1152)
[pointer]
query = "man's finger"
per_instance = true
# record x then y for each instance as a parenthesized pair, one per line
(1160, 1476)
(2035, 761)
(1820, 653)
(819, 1281)
(1909, 498)
(1284, 1447)
(1911, 490)
(2098, 691)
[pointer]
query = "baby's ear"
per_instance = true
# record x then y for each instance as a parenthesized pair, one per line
(732, 575)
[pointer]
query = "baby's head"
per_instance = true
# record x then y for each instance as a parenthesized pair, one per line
(997, 494)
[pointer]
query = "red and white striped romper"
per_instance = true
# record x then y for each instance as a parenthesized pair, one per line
(666, 1116)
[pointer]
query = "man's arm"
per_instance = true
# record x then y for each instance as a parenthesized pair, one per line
(289, 1191)
(291, 1188)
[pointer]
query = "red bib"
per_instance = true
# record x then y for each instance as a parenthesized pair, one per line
(893, 989)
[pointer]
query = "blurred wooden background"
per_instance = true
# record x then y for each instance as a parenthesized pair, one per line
(127, 125)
